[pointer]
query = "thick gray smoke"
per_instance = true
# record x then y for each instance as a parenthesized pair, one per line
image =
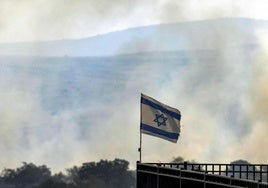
(43, 20)
(35, 20)
(66, 111)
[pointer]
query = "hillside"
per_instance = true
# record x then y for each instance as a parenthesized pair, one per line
(167, 37)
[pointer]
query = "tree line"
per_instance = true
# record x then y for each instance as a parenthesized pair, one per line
(105, 173)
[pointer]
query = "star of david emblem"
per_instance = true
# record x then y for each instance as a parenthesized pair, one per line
(160, 119)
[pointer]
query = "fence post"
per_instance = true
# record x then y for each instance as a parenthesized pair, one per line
(185, 165)
(233, 168)
(254, 178)
(261, 173)
(157, 177)
(240, 171)
(247, 172)
(226, 170)
(180, 178)
(205, 178)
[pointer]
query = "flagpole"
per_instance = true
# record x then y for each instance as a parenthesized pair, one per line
(140, 133)
(140, 145)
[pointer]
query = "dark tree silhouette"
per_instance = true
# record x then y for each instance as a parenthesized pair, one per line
(178, 159)
(191, 165)
(114, 173)
(28, 174)
(242, 165)
(102, 174)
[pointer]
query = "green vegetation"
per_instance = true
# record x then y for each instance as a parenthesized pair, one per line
(108, 174)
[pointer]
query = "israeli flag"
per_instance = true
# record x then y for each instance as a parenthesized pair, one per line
(160, 120)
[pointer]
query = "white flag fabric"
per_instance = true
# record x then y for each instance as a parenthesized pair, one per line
(160, 120)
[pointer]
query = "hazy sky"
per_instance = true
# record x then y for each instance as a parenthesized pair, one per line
(220, 97)
(31, 20)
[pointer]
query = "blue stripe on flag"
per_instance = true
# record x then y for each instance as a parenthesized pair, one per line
(159, 107)
(159, 131)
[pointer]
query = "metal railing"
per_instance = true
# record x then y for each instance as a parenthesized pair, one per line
(255, 172)
(181, 175)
